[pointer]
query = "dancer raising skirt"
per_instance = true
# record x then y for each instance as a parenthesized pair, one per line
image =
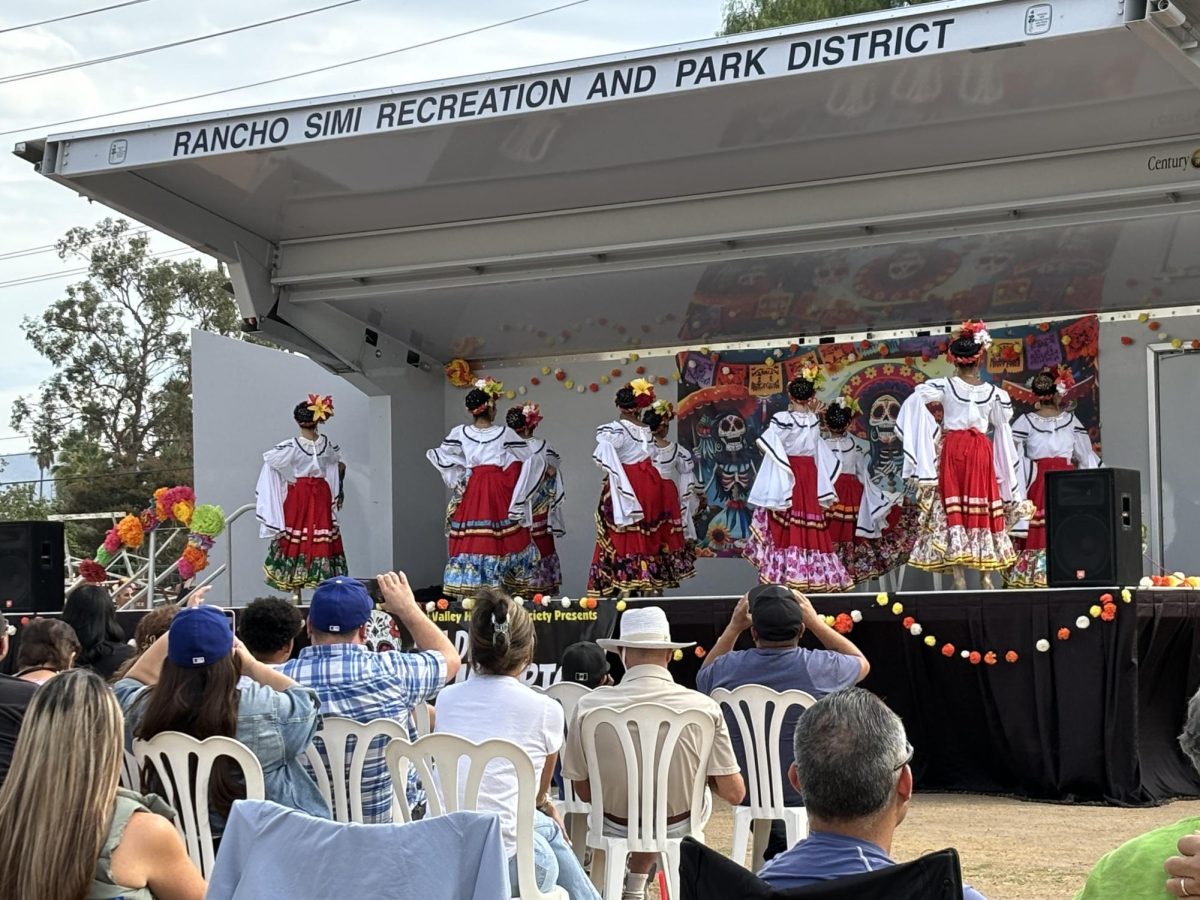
(969, 489)
(298, 494)
(1049, 439)
(863, 515)
(543, 512)
(680, 489)
(493, 472)
(789, 542)
(634, 527)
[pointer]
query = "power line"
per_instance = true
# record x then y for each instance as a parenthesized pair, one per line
(47, 248)
(83, 64)
(61, 479)
(243, 87)
(78, 15)
(71, 273)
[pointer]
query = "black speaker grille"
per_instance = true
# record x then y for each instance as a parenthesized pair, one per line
(1084, 543)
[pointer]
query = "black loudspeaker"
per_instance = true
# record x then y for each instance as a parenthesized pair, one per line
(1093, 527)
(32, 574)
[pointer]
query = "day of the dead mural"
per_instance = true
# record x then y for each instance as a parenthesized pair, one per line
(726, 399)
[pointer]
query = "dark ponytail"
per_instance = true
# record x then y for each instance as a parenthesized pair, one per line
(501, 634)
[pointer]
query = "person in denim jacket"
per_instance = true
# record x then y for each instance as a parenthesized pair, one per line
(190, 681)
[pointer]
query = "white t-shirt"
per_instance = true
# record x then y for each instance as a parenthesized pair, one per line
(497, 706)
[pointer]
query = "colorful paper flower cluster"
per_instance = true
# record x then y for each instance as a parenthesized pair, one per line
(207, 522)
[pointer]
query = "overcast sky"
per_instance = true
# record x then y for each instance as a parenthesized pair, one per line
(35, 212)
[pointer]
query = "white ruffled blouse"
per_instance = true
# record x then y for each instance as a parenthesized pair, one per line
(619, 444)
(793, 434)
(282, 465)
(876, 504)
(467, 447)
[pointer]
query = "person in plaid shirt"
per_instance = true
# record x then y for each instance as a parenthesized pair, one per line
(356, 683)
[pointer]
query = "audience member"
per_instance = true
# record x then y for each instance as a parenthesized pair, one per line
(15, 695)
(90, 611)
(646, 649)
(189, 681)
(358, 684)
(777, 618)
(48, 646)
(66, 829)
(585, 663)
(852, 766)
(150, 628)
(495, 703)
(268, 627)
(1135, 869)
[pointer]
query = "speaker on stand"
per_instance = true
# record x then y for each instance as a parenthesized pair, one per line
(32, 560)
(1093, 527)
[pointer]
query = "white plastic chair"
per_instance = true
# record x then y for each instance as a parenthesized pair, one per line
(765, 772)
(338, 768)
(646, 778)
(131, 778)
(441, 754)
(172, 754)
(573, 809)
(421, 719)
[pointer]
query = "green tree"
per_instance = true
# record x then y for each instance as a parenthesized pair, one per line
(751, 15)
(115, 415)
(21, 503)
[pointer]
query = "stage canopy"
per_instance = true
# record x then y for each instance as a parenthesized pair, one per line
(812, 181)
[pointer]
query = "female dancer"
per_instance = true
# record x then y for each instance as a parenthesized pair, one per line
(299, 490)
(680, 489)
(966, 481)
(497, 472)
(544, 512)
(1049, 439)
(632, 522)
(789, 543)
(857, 521)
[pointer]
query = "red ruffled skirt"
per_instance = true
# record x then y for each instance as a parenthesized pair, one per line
(1037, 496)
(481, 524)
(967, 480)
(309, 549)
(841, 519)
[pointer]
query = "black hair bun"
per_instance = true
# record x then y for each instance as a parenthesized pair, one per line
(965, 347)
(476, 400)
(837, 417)
(652, 419)
(626, 399)
(1043, 385)
(801, 389)
(303, 414)
(515, 419)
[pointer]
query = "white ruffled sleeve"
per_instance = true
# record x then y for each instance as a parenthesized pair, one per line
(876, 504)
(918, 431)
(449, 458)
(829, 468)
(268, 501)
(1010, 474)
(1081, 446)
(627, 509)
(772, 488)
(533, 467)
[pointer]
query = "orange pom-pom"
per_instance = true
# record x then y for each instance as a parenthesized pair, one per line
(1109, 612)
(1106, 598)
(947, 649)
(1064, 633)
(989, 658)
(1011, 656)
(537, 599)
(443, 603)
(130, 531)
(974, 658)
(701, 653)
(908, 622)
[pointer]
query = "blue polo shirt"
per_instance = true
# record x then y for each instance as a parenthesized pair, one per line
(816, 672)
(824, 855)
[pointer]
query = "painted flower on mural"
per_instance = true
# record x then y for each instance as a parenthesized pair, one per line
(719, 538)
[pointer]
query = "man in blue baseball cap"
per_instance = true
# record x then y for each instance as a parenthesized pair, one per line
(358, 684)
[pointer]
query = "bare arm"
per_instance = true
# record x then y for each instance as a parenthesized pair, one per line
(730, 788)
(545, 804)
(738, 622)
(147, 667)
(829, 637)
(265, 675)
(152, 853)
(583, 789)
(398, 600)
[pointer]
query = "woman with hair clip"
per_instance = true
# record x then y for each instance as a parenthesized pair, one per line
(492, 472)
(299, 492)
(1048, 439)
(680, 489)
(789, 542)
(633, 524)
(67, 830)
(858, 519)
(190, 680)
(544, 511)
(966, 483)
(495, 703)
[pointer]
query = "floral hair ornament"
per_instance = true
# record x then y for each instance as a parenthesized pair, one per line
(533, 415)
(490, 387)
(459, 373)
(1063, 380)
(643, 392)
(664, 408)
(813, 374)
(320, 407)
(848, 402)
(977, 332)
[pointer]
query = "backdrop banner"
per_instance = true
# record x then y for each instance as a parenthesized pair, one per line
(727, 399)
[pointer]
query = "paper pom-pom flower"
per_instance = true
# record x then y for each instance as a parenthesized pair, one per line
(915, 629)
(1083, 622)
(1126, 595)
(459, 374)
(129, 529)
(1042, 645)
(208, 520)
(700, 652)
(1011, 656)
(930, 640)
(881, 599)
(160, 508)
(197, 557)
(677, 655)
(430, 606)
(468, 603)
(975, 658)
(897, 608)
(92, 572)
(1094, 611)
(185, 570)
(947, 650)
(104, 557)
(908, 622)
(965, 654)
(1109, 612)
(1106, 598)
(443, 603)
(829, 620)
(112, 541)
(622, 606)
(182, 512)
(1064, 633)
(989, 658)
(843, 624)
(856, 615)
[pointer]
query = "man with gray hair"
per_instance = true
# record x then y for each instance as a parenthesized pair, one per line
(852, 768)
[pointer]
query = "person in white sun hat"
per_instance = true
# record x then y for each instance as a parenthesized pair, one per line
(646, 648)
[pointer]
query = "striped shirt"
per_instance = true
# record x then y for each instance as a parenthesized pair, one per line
(354, 682)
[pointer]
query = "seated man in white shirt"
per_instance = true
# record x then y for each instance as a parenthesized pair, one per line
(646, 649)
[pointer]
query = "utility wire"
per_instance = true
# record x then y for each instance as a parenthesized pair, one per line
(242, 87)
(8, 79)
(47, 248)
(70, 273)
(78, 15)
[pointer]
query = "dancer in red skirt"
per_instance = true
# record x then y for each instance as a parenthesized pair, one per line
(1048, 439)
(493, 472)
(298, 494)
(857, 521)
(633, 524)
(970, 487)
(789, 542)
(680, 491)
(544, 512)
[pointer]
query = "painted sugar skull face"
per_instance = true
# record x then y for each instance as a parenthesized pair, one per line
(883, 418)
(994, 261)
(830, 271)
(731, 431)
(905, 265)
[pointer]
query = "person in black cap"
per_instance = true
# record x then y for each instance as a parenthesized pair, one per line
(586, 663)
(777, 618)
